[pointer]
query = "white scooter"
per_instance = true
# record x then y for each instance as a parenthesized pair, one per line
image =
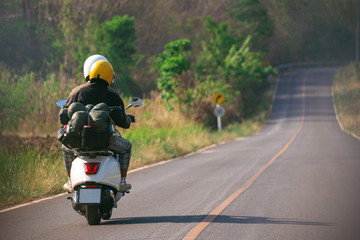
(95, 177)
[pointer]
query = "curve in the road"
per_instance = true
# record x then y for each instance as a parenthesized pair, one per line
(195, 232)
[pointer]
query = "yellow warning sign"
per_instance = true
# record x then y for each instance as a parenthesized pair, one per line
(218, 98)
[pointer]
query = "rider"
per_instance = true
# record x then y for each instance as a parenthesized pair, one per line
(86, 70)
(100, 77)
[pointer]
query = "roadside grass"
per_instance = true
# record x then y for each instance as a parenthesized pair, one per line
(161, 135)
(29, 172)
(151, 146)
(32, 171)
(346, 89)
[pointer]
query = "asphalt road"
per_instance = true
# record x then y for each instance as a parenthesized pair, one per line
(298, 178)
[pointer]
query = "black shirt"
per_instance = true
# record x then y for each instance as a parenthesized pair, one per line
(96, 92)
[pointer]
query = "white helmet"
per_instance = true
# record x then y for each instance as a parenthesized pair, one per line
(89, 61)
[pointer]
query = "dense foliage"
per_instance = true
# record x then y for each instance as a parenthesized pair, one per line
(225, 46)
(172, 63)
(225, 64)
(116, 41)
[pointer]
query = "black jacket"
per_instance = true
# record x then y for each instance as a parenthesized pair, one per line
(96, 92)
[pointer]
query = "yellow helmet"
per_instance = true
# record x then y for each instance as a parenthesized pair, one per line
(102, 69)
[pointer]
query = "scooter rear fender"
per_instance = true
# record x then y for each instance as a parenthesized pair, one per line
(108, 173)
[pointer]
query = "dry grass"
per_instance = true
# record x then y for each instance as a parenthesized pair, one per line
(346, 87)
(31, 168)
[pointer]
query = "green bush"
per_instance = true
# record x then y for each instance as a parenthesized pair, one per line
(115, 39)
(171, 63)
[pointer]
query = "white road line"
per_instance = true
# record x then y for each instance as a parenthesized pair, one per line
(338, 119)
(32, 202)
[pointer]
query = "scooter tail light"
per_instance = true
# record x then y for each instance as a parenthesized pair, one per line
(91, 168)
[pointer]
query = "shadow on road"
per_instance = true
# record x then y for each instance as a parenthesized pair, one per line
(219, 219)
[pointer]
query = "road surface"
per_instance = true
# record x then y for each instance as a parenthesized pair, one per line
(298, 178)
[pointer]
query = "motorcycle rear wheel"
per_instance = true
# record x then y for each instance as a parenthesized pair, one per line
(93, 215)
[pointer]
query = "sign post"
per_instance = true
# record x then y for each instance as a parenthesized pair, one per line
(219, 110)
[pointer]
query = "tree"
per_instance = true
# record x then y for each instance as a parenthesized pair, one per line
(245, 71)
(171, 63)
(251, 18)
(116, 41)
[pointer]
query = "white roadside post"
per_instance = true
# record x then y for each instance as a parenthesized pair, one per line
(219, 110)
(219, 113)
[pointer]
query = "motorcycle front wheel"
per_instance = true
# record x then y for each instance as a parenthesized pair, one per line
(93, 215)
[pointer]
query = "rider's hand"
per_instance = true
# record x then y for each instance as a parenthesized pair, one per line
(131, 118)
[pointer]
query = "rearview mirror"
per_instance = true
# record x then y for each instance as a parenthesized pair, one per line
(61, 102)
(135, 102)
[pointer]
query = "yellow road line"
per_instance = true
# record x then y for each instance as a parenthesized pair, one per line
(195, 232)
